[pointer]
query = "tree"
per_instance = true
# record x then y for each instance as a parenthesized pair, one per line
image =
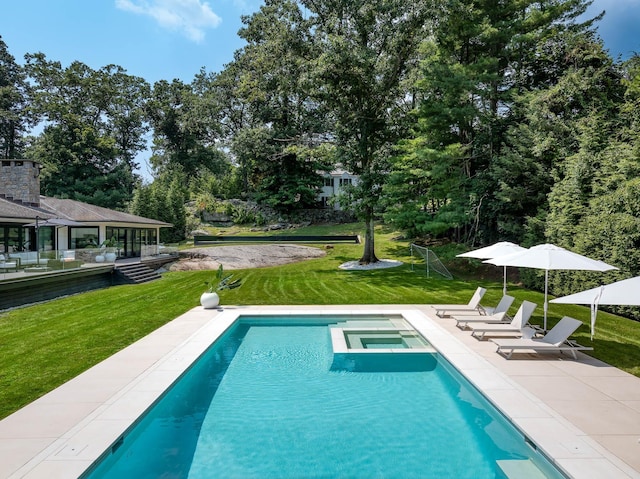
(164, 200)
(593, 204)
(277, 127)
(367, 49)
(481, 56)
(14, 121)
(185, 129)
(93, 129)
(125, 100)
(541, 149)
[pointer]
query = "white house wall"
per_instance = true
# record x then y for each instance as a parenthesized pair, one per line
(330, 192)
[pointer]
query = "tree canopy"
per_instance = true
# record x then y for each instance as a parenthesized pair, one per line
(466, 120)
(93, 127)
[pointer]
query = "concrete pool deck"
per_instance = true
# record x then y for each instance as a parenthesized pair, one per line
(584, 414)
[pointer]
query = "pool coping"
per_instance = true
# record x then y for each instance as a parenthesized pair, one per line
(64, 432)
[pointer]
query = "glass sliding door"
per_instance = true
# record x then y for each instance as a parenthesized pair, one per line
(131, 240)
(16, 240)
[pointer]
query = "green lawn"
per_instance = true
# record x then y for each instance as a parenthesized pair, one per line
(47, 344)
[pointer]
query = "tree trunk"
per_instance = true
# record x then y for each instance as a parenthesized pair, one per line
(369, 254)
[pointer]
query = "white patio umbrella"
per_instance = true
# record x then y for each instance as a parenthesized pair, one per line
(620, 293)
(496, 250)
(550, 257)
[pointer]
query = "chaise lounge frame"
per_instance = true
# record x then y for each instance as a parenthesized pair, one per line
(442, 310)
(519, 321)
(556, 340)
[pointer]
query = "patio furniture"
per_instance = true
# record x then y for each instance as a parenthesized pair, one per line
(519, 321)
(472, 305)
(557, 339)
(6, 265)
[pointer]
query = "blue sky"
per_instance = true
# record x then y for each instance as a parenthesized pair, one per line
(167, 39)
(154, 39)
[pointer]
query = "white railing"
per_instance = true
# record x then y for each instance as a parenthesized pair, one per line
(156, 251)
(66, 259)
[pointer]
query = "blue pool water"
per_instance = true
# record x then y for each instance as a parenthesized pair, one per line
(268, 402)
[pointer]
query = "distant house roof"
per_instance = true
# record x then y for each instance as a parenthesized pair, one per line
(71, 210)
(339, 172)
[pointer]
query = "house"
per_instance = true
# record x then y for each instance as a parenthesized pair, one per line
(32, 222)
(334, 183)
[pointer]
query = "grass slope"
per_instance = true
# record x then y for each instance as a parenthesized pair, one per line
(47, 344)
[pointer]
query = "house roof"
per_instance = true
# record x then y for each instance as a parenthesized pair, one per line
(10, 210)
(86, 213)
(71, 210)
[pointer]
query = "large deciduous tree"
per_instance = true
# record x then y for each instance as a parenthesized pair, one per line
(93, 128)
(186, 128)
(275, 127)
(367, 49)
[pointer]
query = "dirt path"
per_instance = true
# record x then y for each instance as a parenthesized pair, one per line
(244, 256)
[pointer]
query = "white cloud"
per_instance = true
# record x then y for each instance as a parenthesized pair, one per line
(190, 17)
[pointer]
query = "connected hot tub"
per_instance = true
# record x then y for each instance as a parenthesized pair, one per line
(389, 344)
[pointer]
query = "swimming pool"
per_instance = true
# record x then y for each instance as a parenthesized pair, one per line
(269, 400)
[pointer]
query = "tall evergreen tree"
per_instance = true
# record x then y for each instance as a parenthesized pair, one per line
(164, 200)
(541, 148)
(482, 54)
(593, 206)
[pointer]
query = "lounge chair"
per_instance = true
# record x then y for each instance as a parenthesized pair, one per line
(6, 265)
(494, 315)
(519, 321)
(473, 305)
(502, 307)
(556, 339)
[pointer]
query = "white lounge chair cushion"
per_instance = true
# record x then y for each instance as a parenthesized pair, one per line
(519, 321)
(557, 339)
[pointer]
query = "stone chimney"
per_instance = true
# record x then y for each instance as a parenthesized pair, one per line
(20, 181)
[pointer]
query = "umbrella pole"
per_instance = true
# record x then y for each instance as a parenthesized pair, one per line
(594, 311)
(504, 285)
(546, 290)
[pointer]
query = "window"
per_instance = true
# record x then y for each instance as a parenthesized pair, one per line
(328, 182)
(345, 181)
(82, 237)
(12, 239)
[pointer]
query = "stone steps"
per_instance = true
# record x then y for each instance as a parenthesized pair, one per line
(134, 273)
